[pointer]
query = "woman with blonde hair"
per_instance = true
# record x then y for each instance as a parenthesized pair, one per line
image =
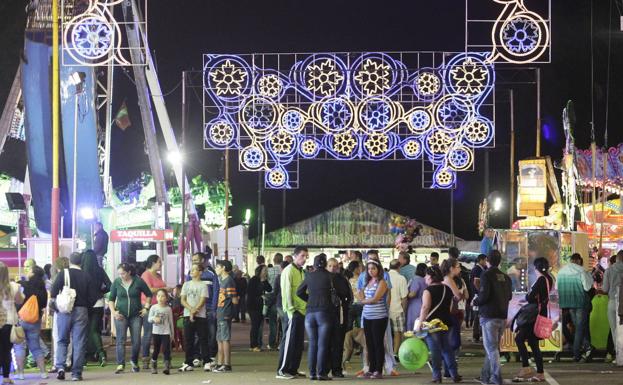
(10, 295)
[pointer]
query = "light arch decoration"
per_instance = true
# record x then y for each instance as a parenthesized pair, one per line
(91, 36)
(276, 109)
(520, 34)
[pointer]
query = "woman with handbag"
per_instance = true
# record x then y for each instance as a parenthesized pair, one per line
(529, 331)
(10, 296)
(99, 279)
(436, 302)
(30, 319)
(258, 286)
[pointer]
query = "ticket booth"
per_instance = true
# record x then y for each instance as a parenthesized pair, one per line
(135, 246)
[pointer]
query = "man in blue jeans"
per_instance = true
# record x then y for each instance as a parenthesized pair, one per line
(573, 284)
(74, 323)
(492, 299)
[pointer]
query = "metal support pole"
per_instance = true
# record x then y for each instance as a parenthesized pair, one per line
(452, 216)
(108, 133)
(538, 112)
(183, 170)
(226, 202)
(74, 187)
(130, 10)
(511, 203)
(55, 207)
(259, 212)
(19, 245)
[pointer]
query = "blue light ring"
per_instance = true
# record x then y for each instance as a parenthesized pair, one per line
(394, 110)
(210, 62)
(300, 71)
(405, 142)
(451, 174)
(460, 102)
(397, 71)
(257, 153)
(328, 141)
(233, 143)
(319, 113)
(407, 118)
(479, 60)
(304, 115)
(460, 166)
(268, 178)
(260, 134)
(392, 144)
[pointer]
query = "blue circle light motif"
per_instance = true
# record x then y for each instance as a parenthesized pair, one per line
(376, 115)
(252, 157)
(460, 159)
(92, 37)
(521, 35)
(277, 178)
(292, 121)
(419, 121)
(336, 114)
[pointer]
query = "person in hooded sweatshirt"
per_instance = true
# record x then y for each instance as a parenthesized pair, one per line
(611, 283)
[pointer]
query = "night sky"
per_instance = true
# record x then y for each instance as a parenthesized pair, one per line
(181, 31)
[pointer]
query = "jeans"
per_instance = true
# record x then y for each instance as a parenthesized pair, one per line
(292, 345)
(33, 333)
(211, 334)
(492, 331)
(95, 330)
(75, 323)
(374, 330)
(5, 350)
(440, 348)
(255, 333)
(526, 333)
(476, 333)
(271, 314)
(579, 317)
(192, 329)
(318, 325)
(146, 339)
(161, 340)
(121, 326)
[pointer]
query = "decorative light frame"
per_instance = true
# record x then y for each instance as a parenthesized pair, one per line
(93, 37)
(278, 108)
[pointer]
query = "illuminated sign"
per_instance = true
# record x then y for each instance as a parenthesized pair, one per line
(140, 235)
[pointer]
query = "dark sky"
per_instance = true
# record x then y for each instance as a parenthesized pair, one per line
(181, 31)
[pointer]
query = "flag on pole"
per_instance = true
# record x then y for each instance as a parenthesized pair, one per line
(122, 119)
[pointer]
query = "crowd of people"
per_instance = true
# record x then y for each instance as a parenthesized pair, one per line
(341, 305)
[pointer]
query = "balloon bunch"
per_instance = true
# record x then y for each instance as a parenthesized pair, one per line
(405, 229)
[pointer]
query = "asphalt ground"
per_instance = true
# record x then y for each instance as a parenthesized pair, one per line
(259, 368)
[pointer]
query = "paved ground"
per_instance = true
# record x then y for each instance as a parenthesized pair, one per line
(259, 368)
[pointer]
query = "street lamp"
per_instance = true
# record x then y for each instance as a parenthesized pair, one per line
(87, 213)
(247, 217)
(176, 158)
(497, 204)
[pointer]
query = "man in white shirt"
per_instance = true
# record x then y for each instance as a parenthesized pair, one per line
(398, 302)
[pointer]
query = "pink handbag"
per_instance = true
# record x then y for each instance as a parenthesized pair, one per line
(543, 326)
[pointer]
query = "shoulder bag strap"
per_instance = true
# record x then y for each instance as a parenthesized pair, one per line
(440, 302)
(67, 278)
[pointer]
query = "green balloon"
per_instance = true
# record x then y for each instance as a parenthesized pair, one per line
(413, 354)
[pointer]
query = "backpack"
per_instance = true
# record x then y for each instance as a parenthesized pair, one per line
(66, 298)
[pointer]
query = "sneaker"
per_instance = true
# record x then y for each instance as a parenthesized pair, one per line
(19, 376)
(256, 350)
(185, 368)
(538, 377)
(300, 374)
(376, 376)
(76, 377)
(609, 358)
(284, 376)
(222, 369)
(196, 362)
(524, 375)
(135, 368)
(207, 367)
(60, 375)
(44, 376)
(324, 378)
(119, 369)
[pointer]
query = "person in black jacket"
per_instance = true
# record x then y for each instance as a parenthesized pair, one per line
(101, 282)
(74, 323)
(258, 286)
(539, 294)
(336, 344)
(33, 286)
(492, 300)
(319, 318)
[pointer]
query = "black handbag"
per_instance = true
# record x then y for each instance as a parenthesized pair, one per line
(335, 299)
(526, 315)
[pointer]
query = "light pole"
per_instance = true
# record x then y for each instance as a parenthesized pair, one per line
(75, 79)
